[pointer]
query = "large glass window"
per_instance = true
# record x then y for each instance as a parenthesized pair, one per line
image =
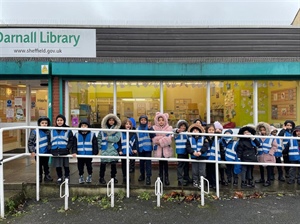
(230, 102)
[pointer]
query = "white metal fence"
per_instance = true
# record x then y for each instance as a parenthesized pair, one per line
(217, 163)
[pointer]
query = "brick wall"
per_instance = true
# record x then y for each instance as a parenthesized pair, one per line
(55, 98)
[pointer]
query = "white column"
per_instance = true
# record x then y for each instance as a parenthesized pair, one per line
(208, 103)
(255, 102)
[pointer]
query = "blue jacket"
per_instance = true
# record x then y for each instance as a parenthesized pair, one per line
(43, 143)
(180, 143)
(61, 142)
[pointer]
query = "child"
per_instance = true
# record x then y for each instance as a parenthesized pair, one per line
(211, 155)
(162, 144)
(197, 146)
(145, 148)
(183, 176)
(294, 157)
(85, 143)
(286, 131)
(278, 155)
(127, 124)
(134, 152)
(230, 155)
(61, 144)
(108, 143)
(246, 152)
(222, 167)
(43, 147)
(266, 152)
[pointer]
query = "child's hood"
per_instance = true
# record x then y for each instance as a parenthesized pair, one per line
(198, 126)
(107, 117)
(182, 122)
(165, 116)
(265, 125)
(297, 128)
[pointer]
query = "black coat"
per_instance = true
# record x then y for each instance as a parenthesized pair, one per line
(246, 151)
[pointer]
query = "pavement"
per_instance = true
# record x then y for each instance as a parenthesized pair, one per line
(276, 205)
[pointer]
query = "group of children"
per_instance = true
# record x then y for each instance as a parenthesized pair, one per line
(112, 141)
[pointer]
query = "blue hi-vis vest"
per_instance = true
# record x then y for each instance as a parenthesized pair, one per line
(59, 140)
(144, 141)
(294, 150)
(265, 146)
(197, 146)
(211, 154)
(104, 142)
(278, 153)
(230, 151)
(85, 146)
(180, 143)
(286, 140)
(43, 143)
(123, 143)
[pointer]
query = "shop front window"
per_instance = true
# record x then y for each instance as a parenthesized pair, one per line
(230, 102)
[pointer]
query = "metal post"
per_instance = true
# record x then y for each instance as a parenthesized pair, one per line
(127, 164)
(66, 195)
(158, 190)
(1, 175)
(37, 154)
(112, 193)
(202, 190)
(217, 165)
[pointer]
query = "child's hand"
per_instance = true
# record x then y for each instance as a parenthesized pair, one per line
(120, 153)
(32, 155)
(134, 151)
(74, 155)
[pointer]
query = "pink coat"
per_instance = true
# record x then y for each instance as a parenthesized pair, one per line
(162, 142)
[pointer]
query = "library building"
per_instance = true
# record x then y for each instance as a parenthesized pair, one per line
(235, 76)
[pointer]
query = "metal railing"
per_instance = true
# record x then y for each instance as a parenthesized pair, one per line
(127, 157)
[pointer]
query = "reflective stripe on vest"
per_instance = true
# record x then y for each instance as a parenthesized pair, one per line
(265, 146)
(59, 140)
(43, 142)
(211, 154)
(85, 146)
(180, 143)
(294, 150)
(230, 151)
(123, 143)
(197, 146)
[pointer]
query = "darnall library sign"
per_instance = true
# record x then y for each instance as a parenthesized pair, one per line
(47, 43)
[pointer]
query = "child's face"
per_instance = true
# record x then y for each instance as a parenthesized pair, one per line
(289, 126)
(247, 133)
(274, 132)
(143, 121)
(198, 122)
(60, 122)
(161, 121)
(128, 125)
(298, 133)
(195, 130)
(44, 123)
(211, 130)
(111, 121)
(262, 130)
(84, 126)
(182, 128)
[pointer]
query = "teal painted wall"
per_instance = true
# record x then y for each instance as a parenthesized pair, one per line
(22, 68)
(264, 70)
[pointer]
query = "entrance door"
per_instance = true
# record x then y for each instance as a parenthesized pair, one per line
(21, 103)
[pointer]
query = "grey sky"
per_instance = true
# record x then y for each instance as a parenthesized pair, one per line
(150, 12)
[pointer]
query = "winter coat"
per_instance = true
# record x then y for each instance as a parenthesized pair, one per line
(247, 149)
(108, 140)
(161, 141)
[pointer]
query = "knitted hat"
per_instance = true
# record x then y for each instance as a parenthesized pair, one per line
(218, 125)
(228, 131)
(272, 128)
(197, 126)
(43, 118)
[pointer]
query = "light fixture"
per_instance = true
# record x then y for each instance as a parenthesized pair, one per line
(21, 85)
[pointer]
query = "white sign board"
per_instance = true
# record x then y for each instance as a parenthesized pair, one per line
(48, 43)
